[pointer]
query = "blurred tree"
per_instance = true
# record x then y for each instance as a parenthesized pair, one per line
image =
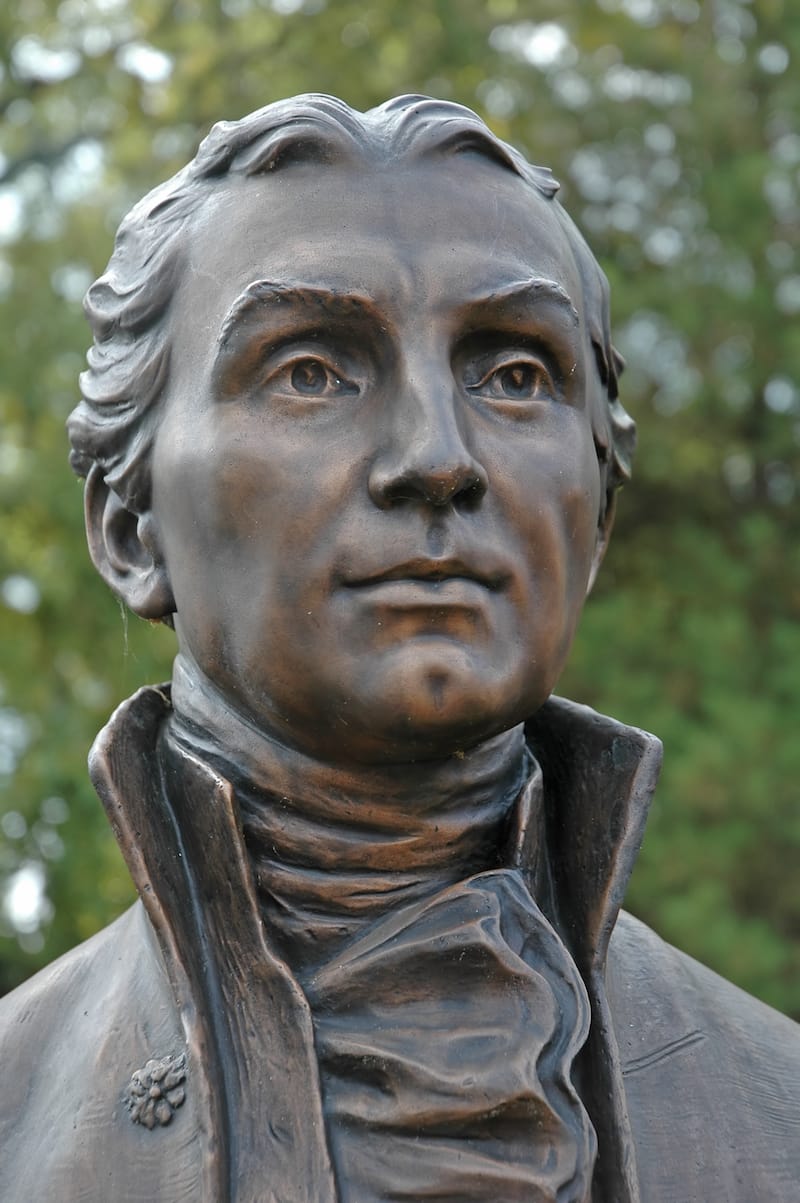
(673, 127)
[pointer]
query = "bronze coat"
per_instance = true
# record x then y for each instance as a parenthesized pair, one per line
(693, 1087)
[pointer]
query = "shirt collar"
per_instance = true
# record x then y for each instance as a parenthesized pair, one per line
(580, 845)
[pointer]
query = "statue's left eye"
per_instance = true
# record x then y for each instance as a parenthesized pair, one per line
(514, 380)
(518, 380)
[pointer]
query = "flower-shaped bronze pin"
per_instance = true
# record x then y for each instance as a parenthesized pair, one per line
(156, 1091)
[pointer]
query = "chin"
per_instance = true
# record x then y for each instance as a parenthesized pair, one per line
(441, 701)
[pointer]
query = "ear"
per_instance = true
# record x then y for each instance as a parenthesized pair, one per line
(125, 550)
(604, 528)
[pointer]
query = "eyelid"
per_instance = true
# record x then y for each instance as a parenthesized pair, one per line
(274, 358)
(489, 365)
(281, 359)
(510, 359)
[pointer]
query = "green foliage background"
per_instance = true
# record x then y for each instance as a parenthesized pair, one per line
(673, 126)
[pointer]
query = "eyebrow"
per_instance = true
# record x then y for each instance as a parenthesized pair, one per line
(529, 293)
(271, 294)
(266, 294)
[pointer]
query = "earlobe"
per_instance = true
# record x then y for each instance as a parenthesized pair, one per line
(125, 550)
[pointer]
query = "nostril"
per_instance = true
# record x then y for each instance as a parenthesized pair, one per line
(443, 486)
(449, 479)
(461, 485)
(470, 498)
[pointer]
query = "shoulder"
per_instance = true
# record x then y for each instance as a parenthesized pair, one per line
(99, 964)
(645, 970)
(711, 1074)
(64, 980)
(60, 1022)
(70, 1039)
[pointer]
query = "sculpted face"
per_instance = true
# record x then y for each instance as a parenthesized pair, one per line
(374, 484)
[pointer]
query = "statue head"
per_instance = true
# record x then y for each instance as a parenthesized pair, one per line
(351, 420)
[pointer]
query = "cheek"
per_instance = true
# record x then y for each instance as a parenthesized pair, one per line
(560, 536)
(555, 495)
(579, 529)
(578, 506)
(283, 482)
(232, 498)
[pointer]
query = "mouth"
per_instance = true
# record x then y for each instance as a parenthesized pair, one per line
(431, 571)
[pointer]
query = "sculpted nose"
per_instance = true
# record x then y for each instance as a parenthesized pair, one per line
(426, 458)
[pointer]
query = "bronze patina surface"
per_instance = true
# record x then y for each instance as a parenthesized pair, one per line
(350, 424)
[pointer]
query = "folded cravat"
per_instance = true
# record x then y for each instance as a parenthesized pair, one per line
(446, 1035)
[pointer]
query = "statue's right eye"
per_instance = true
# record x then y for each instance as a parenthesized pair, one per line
(312, 378)
(309, 376)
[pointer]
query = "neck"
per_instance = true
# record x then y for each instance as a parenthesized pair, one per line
(332, 845)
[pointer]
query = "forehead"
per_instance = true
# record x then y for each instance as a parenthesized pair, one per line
(435, 233)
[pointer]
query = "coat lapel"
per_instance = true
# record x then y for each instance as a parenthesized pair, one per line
(599, 779)
(247, 1023)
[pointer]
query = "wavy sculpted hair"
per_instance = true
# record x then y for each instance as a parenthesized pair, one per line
(115, 423)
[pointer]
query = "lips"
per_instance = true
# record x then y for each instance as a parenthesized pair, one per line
(430, 570)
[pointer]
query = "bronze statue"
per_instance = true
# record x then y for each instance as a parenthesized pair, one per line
(350, 423)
